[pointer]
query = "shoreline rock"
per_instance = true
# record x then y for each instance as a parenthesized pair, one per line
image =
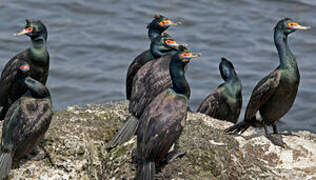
(77, 139)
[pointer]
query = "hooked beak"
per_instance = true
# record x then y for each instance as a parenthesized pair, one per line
(168, 23)
(24, 31)
(189, 57)
(300, 27)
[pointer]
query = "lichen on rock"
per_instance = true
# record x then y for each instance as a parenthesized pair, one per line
(78, 136)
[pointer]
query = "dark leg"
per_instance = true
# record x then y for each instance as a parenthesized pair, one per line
(175, 153)
(274, 140)
(275, 131)
(134, 156)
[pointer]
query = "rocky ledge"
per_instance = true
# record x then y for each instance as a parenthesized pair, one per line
(78, 136)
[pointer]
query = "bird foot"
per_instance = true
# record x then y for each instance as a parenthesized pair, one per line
(134, 156)
(276, 141)
(287, 134)
(173, 155)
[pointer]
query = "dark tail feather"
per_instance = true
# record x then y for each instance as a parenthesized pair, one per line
(125, 133)
(238, 128)
(5, 164)
(146, 171)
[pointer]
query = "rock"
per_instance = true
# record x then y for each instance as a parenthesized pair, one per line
(77, 139)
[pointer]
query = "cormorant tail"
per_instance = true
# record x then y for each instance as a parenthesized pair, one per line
(5, 164)
(146, 171)
(125, 133)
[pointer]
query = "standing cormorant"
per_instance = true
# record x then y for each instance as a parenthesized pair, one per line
(160, 46)
(36, 56)
(274, 95)
(161, 124)
(26, 121)
(155, 29)
(226, 101)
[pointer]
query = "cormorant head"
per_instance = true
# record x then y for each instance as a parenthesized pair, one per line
(34, 29)
(226, 69)
(168, 41)
(184, 55)
(288, 26)
(161, 23)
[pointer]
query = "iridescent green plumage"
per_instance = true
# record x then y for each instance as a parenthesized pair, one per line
(36, 56)
(162, 121)
(25, 123)
(226, 101)
(155, 29)
(274, 95)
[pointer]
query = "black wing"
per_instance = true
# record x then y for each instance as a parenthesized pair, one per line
(150, 81)
(26, 120)
(262, 93)
(8, 78)
(133, 68)
(161, 125)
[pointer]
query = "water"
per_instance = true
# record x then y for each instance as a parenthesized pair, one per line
(92, 43)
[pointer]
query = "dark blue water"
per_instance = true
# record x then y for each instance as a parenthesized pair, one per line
(91, 44)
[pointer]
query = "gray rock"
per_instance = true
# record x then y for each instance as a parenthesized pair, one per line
(77, 138)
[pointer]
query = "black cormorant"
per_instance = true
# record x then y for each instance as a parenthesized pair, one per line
(161, 124)
(26, 121)
(226, 101)
(36, 56)
(155, 29)
(274, 95)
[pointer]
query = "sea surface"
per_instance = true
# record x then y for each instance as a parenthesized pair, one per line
(92, 43)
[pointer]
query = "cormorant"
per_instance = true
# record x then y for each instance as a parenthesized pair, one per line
(274, 95)
(26, 121)
(36, 56)
(161, 45)
(226, 101)
(161, 124)
(155, 29)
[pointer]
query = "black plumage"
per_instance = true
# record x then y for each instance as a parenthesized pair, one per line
(36, 56)
(155, 29)
(161, 124)
(26, 121)
(226, 101)
(274, 95)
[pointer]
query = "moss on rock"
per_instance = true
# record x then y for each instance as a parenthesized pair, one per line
(78, 136)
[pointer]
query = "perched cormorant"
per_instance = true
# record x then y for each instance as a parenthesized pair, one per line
(36, 56)
(226, 101)
(161, 124)
(274, 95)
(155, 29)
(162, 45)
(26, 121)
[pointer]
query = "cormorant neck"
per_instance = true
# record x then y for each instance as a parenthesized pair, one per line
(38, 42)
(286, 56)
(37, 89)
(180, 84)
(153, 33)
(230, 75)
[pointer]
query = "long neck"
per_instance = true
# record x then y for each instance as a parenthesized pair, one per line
(38, 43)
(37, 89)
(180, 84)
(287, 59)
(153, 33)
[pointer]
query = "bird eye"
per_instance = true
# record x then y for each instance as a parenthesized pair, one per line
(291, 24)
